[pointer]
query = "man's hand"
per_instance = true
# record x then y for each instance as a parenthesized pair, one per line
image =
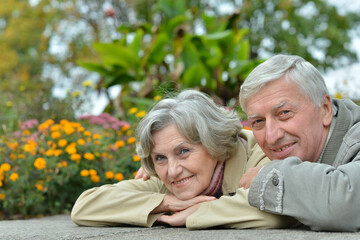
(171, 203)
(179, 218)
(249, 176)
(142, 174)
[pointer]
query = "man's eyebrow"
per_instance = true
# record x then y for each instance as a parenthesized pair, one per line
(276, 107)
(253, 116)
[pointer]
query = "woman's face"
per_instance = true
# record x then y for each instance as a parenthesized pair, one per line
(185, 168)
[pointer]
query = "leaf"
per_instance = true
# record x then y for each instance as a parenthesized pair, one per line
(193, 76)
(157, 51)
(115, 54)
(244, 51)
(176, 21)
(135, 46)
(190, 54)
(219, 35)
(95, 67)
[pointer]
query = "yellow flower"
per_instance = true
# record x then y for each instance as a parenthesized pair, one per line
(9, 104)
(14, 177)
(62, 142)
(119, 177)
(96, 136)
(12, 146)
(75, 94)
(95, 178)
(40, 163)
(81, 129)
(81, 141)
(136, 158)
(87, 83)
(157, 98)
(131, 140)
(92, 172)
(26, 132)
(84, 173)
(89, 156)
(109, 175)
(5, 167)
(55, 134)
(338, 95)
(2, 196)
(133, 110)
(75, 157)
(55, 128)
(141, 114)
(39, 186)
(119, 144)
(71, 148)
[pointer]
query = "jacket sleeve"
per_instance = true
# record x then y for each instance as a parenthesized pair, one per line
(126, 202)
(235, 212)
(318, 195)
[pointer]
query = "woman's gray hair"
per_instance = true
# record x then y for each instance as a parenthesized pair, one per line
(294, 68)
(198, 118)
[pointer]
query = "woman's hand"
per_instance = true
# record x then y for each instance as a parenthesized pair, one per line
(173, 204)
(142, 174)
(179, 218)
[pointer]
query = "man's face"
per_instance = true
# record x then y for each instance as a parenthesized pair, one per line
(285, 123)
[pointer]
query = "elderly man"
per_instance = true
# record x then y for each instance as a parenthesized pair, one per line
(312, 140)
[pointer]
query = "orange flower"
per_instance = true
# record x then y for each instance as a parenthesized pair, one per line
(40, 163)
(2, 196)
(92, 172)
(55, 135)
(109, 175)
(131, 140)
(14, 177)
(30, 146)
(96, 136)
(5, 167)
(62, 142)
(136, 158)
(87, 133)
(69, 129)
(39, 187)
(71, 148)
(126, 127)
(119, 144)
(49, 152)
(95, 178)
(84, 173)
(81, 141)
(75, 157)
(57, 152)
(119, 177)
(89, 156)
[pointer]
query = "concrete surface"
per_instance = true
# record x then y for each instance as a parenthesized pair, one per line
(61, 227)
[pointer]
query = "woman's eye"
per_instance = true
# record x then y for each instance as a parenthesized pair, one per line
(159, 158)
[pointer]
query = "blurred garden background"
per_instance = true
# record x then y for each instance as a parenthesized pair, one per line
(76, 76)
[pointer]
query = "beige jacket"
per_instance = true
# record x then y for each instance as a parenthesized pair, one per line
(131, 201)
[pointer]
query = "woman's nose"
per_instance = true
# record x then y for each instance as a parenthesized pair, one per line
(174, 168)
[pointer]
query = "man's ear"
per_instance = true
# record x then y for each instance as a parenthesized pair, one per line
(327, 111)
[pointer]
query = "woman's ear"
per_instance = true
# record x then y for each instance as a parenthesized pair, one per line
(327, 111)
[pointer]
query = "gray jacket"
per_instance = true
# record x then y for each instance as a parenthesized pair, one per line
(325, 195)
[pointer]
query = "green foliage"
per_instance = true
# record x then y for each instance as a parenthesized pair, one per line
(215, 62)
(44, 167)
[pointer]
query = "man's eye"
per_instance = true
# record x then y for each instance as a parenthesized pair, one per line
(256, 123)
(184, 151)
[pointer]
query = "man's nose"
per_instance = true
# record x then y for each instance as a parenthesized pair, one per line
(174, 168)
(274, 132)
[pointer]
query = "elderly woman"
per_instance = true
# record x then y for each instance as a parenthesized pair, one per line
(195, 153)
